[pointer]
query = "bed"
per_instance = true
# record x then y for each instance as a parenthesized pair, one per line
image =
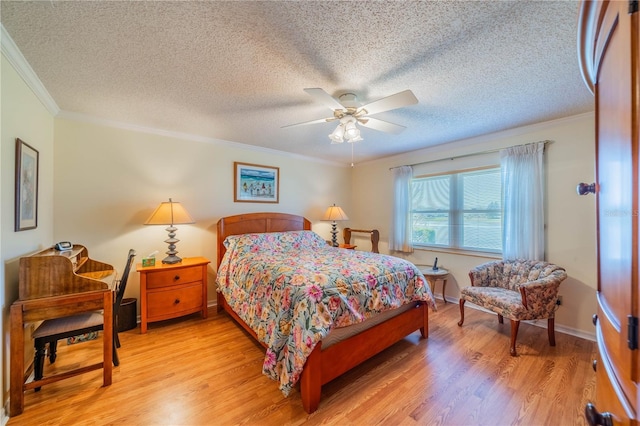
(327, 345)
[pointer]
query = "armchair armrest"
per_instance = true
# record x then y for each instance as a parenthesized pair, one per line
(542, 293)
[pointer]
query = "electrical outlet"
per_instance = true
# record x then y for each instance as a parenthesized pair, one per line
(559, 300)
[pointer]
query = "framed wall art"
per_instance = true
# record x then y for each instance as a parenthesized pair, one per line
(26, 194)
(256, 184)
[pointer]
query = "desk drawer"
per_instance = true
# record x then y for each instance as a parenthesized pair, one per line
(174, 277)
(174, 302)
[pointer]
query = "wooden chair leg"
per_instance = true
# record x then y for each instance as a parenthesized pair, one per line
(461, 312)
(116, 341)
(53, 348)
(514, 334)
(116, 360)
(551, 331)
(38, 361)
(116, 338)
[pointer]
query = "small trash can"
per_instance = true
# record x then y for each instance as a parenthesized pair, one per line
(127, 316)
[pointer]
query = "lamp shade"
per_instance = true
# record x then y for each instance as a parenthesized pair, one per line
(335, 213)
(169, 213)
(337, 135)
(351, 130)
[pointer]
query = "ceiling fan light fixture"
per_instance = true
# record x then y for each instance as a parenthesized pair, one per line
(349, 112)
(355, 139)
(351, 131)
(338, 134)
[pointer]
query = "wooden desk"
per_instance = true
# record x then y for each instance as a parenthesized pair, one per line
(55, 284)
(24, 311)
(433, 276)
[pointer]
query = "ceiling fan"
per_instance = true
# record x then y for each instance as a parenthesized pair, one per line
(347, 111)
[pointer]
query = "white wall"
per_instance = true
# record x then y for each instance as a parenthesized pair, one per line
(109, 180)
(571, 219)
(24, 117)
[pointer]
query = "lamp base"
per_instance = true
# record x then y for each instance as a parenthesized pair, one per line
(172, 240)
(334, 234)
(171, 259)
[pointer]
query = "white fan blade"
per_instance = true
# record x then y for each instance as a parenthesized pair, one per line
(398, 100)
(383, 126)
(322, 120)
(325, 98)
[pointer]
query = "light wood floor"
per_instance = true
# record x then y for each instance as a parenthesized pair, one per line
(208, 372)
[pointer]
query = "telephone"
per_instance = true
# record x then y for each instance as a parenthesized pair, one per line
(63, 245)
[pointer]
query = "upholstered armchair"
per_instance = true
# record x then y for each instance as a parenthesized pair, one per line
(516, 289)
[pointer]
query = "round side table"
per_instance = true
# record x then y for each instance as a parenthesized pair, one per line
(434, 275)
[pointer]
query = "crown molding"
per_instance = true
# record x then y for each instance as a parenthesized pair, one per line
(24, 70)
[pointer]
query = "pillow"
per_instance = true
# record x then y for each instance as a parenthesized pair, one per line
(275, 241)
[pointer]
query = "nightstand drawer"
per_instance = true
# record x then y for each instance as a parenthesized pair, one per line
(174, 277)
(175, 301)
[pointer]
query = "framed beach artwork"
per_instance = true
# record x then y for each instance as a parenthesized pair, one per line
(254, 183)
(26, 194)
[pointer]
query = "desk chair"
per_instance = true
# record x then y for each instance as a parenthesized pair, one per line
(375, 237)
(52, 330)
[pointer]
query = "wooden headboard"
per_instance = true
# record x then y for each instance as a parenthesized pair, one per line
(257, 223)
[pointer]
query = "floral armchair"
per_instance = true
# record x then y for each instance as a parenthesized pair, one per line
(516, 289)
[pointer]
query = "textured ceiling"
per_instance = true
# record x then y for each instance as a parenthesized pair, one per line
(236, 70)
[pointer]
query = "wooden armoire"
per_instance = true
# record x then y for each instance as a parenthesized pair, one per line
(609, 54)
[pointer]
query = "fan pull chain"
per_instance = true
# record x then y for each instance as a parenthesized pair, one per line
(352, 155)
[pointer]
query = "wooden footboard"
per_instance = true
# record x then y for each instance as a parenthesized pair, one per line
(322, 366)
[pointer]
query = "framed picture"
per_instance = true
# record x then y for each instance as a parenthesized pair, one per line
(26, 214)
(256, 184)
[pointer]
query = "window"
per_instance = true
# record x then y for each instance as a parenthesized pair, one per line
(461, 210)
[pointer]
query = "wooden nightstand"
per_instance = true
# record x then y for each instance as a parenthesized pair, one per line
(170, 291)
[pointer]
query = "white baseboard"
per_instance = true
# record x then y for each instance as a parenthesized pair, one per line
(4, 418)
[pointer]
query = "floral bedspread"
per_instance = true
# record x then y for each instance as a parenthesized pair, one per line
(292, 288)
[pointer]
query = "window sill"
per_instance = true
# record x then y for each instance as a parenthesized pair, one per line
(471, 253)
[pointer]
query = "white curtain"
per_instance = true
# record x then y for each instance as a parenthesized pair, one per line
(523, 185)
(400, 237)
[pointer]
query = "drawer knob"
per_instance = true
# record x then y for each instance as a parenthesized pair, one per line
(176, 278)
(594, 319)
(176, 301)
(594, 365)
(594, 418)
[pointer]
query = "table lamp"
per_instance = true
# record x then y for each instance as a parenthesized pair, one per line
(170, 213)
(333, 214)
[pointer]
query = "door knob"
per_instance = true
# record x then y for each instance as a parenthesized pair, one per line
(586, 188)
(594, 418)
